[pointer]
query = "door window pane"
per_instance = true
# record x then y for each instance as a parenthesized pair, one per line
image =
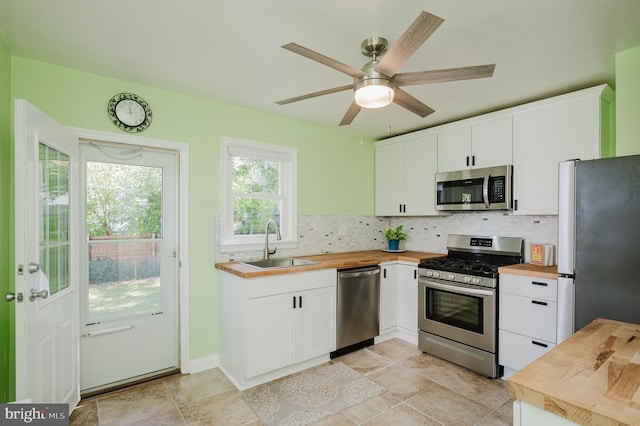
(124, 224)
(54, 219)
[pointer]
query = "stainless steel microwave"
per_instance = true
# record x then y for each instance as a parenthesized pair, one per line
(475, 189)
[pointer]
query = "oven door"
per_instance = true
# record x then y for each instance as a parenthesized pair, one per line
(459, 312)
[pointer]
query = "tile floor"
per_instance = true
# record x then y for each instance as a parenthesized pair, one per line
(421, 390)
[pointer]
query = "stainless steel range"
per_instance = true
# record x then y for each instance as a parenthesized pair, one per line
(458, 300)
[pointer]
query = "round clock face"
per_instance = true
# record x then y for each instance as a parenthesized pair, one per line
(129, 112)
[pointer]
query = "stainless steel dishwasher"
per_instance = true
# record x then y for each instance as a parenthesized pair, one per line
(358, 308)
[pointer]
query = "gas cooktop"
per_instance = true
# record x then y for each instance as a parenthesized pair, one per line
(464, 266)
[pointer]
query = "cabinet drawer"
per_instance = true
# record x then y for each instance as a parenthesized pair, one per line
(538, 288)
(516, 351)
(528, 316)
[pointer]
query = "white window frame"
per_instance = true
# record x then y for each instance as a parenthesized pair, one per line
(288, 157)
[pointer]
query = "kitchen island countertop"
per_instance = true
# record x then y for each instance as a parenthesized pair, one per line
(345, 260)
(592, 378)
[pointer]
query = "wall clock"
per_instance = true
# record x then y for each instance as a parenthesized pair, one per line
(129, 112)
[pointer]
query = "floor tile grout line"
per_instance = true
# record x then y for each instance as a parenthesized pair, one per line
(175, 404)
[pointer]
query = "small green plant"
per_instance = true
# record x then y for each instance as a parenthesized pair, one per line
(394, 233)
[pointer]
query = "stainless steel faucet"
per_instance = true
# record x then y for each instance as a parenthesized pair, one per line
(268, 252)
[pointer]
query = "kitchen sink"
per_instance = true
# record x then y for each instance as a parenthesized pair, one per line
(283, 262)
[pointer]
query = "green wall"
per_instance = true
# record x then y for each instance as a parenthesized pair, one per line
(628, 102)
(335, 171)
(6, 309)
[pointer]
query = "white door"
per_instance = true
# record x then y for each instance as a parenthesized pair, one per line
(46, 252)
(129, 276)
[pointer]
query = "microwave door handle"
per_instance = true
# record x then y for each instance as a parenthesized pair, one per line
(485, 191)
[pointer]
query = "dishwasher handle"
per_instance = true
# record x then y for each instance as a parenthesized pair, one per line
(354, 274)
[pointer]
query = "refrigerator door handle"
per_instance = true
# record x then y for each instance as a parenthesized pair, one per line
(566, 216)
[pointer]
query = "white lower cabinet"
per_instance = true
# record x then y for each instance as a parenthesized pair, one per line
(388, 298)
(274, 326)
(399, 301)
(288, 328)
(408, 302)
(528, 320)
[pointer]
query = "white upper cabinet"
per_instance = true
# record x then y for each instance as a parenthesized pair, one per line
(533, 137)
(405, 176)
(454, 149)
(492, 142)
(482, 144)
(558, 129)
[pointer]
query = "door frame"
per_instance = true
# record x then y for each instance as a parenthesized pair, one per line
(183, 223)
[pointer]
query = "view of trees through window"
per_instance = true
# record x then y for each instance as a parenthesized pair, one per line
(124, 224)
(123, 200)
(256, 194)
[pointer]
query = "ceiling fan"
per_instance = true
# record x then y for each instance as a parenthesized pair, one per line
(378, 84)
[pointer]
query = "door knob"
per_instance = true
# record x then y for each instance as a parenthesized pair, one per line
(10, 297)
(35, 294)
(33, 268)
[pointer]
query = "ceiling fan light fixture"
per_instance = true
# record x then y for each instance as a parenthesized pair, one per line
(374, 92)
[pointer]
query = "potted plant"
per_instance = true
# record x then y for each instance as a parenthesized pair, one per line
(394, 235)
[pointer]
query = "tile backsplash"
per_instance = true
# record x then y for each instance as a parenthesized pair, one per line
(334, 234)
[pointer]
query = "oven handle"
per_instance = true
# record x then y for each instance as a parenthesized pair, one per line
(485, 190)
(458, 289)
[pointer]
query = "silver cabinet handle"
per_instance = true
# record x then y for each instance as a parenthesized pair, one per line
(33, 268)
(35, 294)
(10, 297)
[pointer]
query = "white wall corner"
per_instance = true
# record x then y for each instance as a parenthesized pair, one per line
(193, 366)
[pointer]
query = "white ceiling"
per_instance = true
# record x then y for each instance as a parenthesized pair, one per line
(230, 51)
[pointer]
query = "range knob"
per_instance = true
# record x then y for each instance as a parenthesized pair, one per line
(452, 277)
(467, 279)
(429, 273)
(436, 274)
(475, 280)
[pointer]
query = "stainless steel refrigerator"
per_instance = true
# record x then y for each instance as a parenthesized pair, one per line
(599, 237)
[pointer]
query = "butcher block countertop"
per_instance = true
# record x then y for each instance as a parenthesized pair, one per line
(592, 378)
(529, 270)
(352, 259)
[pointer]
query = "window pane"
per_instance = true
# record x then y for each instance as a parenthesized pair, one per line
(54, 219)
(124, 222)
(253, 176)
(124, 200)
(250, 215)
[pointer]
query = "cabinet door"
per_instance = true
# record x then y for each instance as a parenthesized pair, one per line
(316, 318)
(454, 149)
(420, 167)
(544, 137)
(389, 179)
(492, 143)
(269, 327)
(388, 297)
(408, 297)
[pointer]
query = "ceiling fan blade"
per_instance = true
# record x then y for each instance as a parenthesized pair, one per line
(325, 60)
(407, 101)
(439, 76)
(315, 94)
(351, 113)
(417, 33)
